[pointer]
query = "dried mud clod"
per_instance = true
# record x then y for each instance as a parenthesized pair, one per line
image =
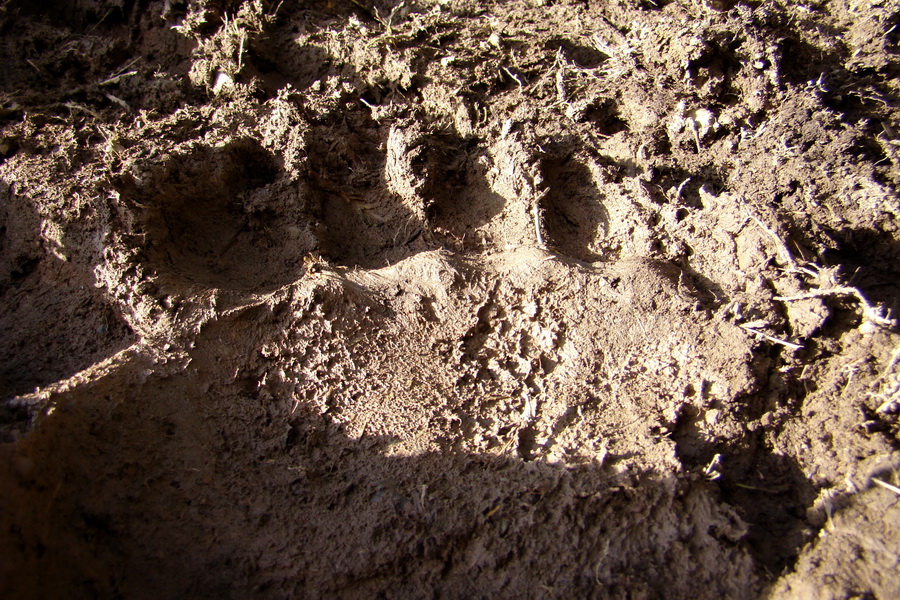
(362, 298)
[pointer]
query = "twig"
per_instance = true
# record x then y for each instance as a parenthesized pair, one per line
(116, 78)
(536, 214)
(560, 77)
(895, 358)
(119, 101)
(692, 125)
(890, 395)
(711, 471)
(681, 188)
(241, 52)
(887, 486)
(120, 73)
(869, 312)
(76, 106)
(786, 254)
(784, 343)
(756, 489)
(513, 76)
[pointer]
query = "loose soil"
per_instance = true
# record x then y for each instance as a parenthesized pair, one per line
(436, 298)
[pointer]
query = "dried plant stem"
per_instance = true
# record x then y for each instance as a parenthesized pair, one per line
(887, 486)
(870, 313)
(776, 340)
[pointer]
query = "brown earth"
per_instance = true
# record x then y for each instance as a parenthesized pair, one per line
(435, 298)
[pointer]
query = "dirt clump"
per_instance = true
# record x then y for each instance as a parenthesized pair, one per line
(441, 298)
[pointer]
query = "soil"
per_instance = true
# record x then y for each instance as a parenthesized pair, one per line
(437, 298)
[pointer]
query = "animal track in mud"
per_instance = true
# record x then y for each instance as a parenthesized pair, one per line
(457, 196)
(605, 117)
(575, 218)
(53, 322)
(223, 218)
(361, 222)
(384, 195)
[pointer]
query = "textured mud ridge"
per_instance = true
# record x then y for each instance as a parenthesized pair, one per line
(449, 299)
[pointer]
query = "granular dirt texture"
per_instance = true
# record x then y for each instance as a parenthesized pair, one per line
(449, 299)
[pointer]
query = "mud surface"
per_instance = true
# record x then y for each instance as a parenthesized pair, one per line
(339, 299)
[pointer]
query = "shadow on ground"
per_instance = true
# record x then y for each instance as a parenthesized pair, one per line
(53, 322)
(156, 480)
